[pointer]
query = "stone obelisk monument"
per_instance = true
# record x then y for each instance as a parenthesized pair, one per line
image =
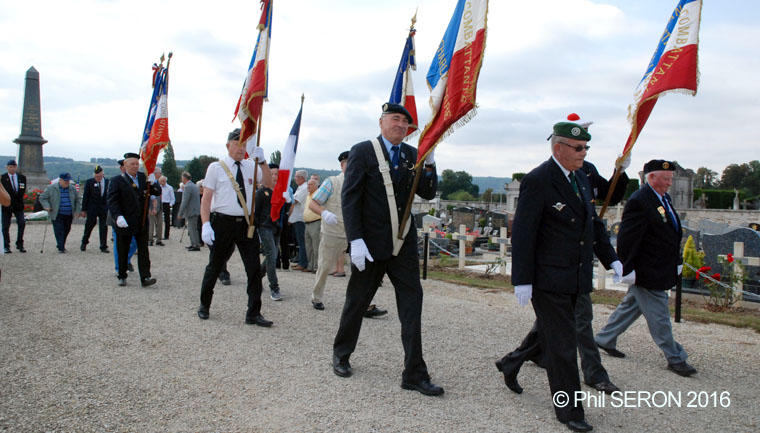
(30, 141)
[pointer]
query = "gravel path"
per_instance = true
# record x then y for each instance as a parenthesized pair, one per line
(78, 353)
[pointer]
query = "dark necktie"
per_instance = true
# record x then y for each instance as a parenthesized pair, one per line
(13, 181)
(574, 184)
(668, 209)
(240, 181)
(394, 162)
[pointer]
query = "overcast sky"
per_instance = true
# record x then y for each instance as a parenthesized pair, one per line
(543, 60)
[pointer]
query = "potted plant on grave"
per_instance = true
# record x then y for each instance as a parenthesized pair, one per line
(692, 260)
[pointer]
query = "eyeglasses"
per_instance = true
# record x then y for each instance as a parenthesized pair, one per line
(577, 148)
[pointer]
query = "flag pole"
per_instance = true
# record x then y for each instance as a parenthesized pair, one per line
(145, 168)
(251, 227)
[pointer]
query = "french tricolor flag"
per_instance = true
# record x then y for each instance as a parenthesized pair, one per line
(673, 67)
(287, 162)
(251, 101)
(453, 75)
(403, 90)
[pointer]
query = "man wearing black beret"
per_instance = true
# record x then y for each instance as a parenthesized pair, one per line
(126, 202)
(95, 208)
(649, 243)
(378, 182)
(15, 184)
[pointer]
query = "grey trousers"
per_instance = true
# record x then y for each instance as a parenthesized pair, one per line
(312, 236)
(653, 304)
(192, 230)
(156, 226)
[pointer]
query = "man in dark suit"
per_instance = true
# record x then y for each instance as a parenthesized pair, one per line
(373, 200)
(95, 208)
(594, 373)
(15, 184)
(556, 233)
(126, 202)
(649, 245)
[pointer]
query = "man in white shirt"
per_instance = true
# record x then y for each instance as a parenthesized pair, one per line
(226, 207)
(296, 220)
(167, 202)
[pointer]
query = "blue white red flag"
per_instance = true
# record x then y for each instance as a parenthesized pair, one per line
(453, 75)
(403, 90)
(287, 162)
(254, 93)
(673, 67)
(156, 132)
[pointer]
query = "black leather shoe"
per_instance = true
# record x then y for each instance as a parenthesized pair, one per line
(130, 268)
(148, 282)
(150, 243)
(122, 282)
(682, 369)
(7, 251)
(225, 281)
(375, 312)
(193, 248)
(83, 247)
(104, 250)
(318, 305)
(160, 244)
(258, 320)
(510, 379)
(604, 386)
(580, 426)
(612, 352)
(342, 368)
(21, 250)
(424, 387)
(203, 312)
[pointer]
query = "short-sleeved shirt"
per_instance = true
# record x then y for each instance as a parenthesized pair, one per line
(225, 199)
(300, 198)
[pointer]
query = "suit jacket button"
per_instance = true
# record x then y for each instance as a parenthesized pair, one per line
(572, 220)
(580, 264)
(581, 242)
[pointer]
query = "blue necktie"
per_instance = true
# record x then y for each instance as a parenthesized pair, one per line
(670, 212)
(394, 162)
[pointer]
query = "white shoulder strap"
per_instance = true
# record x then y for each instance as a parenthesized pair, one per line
(385, 171)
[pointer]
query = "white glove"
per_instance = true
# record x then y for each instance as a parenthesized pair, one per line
(626, 162)
(618, 268)
(207, 233)
(679, 269)
(258, 153)
(330, 219)
(359, 253)
(626, 279)
(152, 178)
(524, 292)
(121, 222)
(430, 160)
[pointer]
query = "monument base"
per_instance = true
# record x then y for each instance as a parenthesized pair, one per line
(36, 181)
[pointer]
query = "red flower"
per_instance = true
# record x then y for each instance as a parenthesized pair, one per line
(716, 277)
(703, 270)
(730, 258)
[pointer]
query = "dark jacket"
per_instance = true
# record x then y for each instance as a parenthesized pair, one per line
(92, 201)
(647, 241)
(600, 186)
(555, 235)
(364, 202)
(128, 200)
(261, 217)
(17, 198)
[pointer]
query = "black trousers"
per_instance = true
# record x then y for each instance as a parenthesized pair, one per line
(167, 208)
(143, 256)
(224, 274)
(20, 222)
(230, 232)
(555, 313)
(591, 362)
(99, 216)
(404, 273)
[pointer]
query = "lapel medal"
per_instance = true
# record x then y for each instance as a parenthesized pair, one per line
(559, 206)
(661, 210)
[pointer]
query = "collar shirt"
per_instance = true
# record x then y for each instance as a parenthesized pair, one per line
(167, 194)
(300, 198)
(565, 171)
(225, 199)
(14, 181)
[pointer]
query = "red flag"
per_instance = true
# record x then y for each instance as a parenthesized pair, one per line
(156, 134)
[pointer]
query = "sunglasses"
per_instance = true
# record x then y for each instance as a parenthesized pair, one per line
(577, 148)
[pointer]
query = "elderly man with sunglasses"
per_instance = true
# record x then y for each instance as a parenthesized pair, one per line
(556, 233)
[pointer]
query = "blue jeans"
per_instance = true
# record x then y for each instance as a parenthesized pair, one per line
(132, 249)
(300, 230)
(269, 243)
(61, 229)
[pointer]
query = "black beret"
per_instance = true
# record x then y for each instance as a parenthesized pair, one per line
(131, 155)
(273, 165)
(343, 156)
(658, 165)
(396, 108)
(234, 135)
(98, 169)
(121, 162)
(11, 162)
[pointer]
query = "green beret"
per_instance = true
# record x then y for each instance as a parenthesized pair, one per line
(571, 130)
